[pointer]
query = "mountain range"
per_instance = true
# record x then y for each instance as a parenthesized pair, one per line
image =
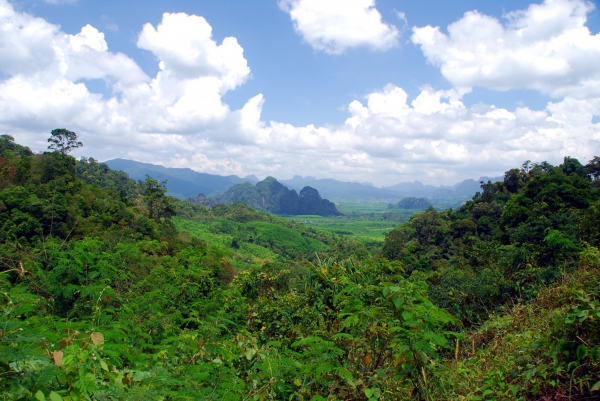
(181, 182)
(186, 183)
(352, 191)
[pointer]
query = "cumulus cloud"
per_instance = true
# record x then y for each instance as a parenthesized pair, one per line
(48, 71)
(546, 47)
(182, 44)
(336, 25)
(178, 117)
(434, 137)
(438, 134)
(195, 72)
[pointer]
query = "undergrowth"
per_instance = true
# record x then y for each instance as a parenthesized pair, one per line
(547, 349)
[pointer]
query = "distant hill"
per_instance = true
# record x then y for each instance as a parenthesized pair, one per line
(459, 192)
(415, 187)
(342, 191)
(181, 182)
(271, 196)
(186, 183)
(412, 203)
(352, 191)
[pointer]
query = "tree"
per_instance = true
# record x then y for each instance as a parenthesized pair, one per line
(394, 243)
(159, 204)
(514, 179)
(63, 141)
(7, 142)
(593, 167)
(572, 165)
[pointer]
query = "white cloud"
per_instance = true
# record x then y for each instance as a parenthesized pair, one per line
(546, 47)
(336, 25)
(436, 136)
(183, 45)
(47, 67)
(178, 117)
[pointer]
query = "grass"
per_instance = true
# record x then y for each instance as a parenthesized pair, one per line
(255, 242)
(367, 223)
(216, 235)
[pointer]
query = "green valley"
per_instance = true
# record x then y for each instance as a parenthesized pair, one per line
(366, 223)
(112, 290)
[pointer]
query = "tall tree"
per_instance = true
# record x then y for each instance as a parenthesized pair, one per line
(159, 204)
(63, 141)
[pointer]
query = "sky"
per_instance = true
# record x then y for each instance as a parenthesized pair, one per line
(381, 91)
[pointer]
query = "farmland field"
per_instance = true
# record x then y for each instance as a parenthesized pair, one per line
(367, 223)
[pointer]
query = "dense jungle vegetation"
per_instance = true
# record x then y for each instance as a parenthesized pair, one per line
(111, 290)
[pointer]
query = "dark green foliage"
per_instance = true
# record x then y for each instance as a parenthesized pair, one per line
(9, 147)
(359, 328)
(159, 205)
(544, 349)
(63, 141)
(310, 202)
(509, 241)
(94, 173)
(573, 166)
(593, 168)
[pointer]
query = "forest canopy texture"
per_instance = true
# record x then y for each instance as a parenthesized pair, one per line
(112, 290)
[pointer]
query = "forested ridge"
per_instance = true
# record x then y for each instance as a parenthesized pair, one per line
(111, 290)
(269, 195)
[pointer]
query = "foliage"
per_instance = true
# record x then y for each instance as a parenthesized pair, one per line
(105, 294)
(63, 141)
(514, 238)
(547, 349)
(159, 205)
(92, 172)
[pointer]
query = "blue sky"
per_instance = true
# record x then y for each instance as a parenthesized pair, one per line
(330, 98)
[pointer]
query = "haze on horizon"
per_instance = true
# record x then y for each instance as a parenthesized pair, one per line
(357, 90)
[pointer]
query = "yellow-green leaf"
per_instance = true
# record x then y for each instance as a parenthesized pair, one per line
(250, 352)
(398, 302)
(55, 396)
(40, 396)
(75, 395)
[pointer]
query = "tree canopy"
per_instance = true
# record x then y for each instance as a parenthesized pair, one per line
(63, 141)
